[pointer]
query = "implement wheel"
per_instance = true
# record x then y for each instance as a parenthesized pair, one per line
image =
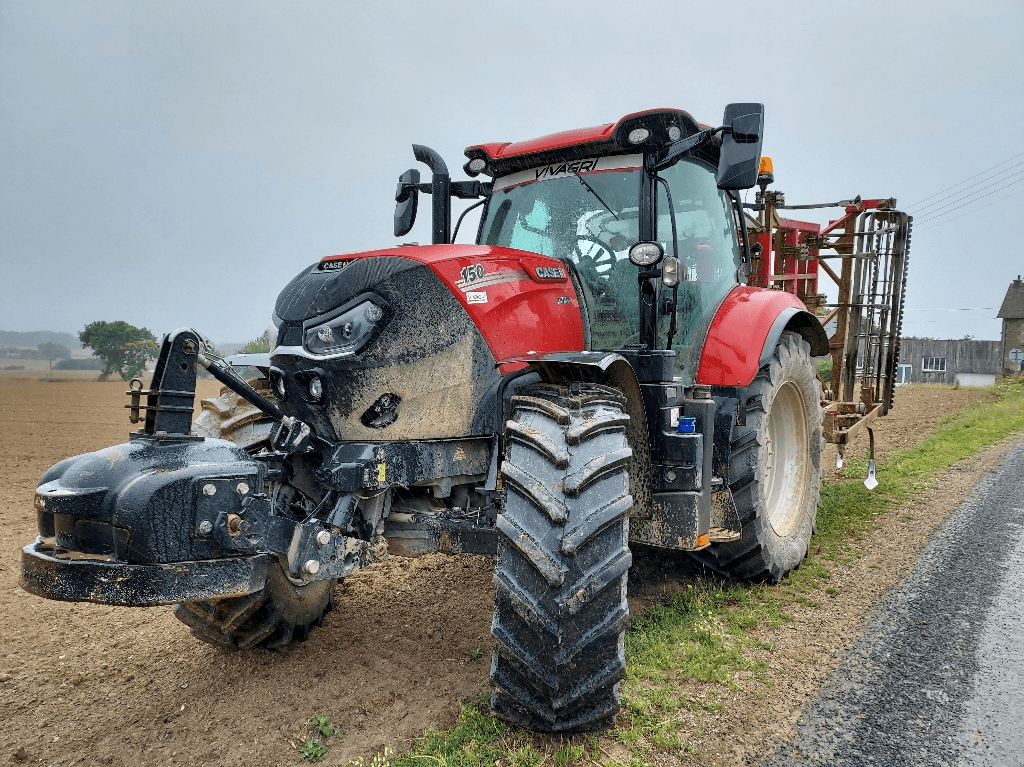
(775, 471)
(282, 611)
(560, 605)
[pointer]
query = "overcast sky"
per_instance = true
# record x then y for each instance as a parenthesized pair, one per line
(176, 163)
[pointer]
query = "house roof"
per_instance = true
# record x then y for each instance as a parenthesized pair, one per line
(1013, 304)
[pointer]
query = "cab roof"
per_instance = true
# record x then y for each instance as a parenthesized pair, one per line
(503, 158)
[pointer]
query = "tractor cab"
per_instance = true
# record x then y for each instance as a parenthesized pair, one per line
(655, 181)
(587, 213)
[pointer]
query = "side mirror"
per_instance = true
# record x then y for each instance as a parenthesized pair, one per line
(406, 199)
(741, 146)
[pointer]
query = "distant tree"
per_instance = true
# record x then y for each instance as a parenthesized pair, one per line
(123, 348)
(258, 345)
(55, 351)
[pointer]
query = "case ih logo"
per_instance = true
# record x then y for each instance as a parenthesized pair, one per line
(550, 273)
(565, 169)
(332, 265)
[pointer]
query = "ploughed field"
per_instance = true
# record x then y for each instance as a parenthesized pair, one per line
(92, 684)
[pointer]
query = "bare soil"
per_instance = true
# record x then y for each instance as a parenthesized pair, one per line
(90, 684)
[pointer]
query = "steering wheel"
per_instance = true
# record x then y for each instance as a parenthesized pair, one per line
(600, 262)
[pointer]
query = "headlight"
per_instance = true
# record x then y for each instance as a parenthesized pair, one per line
(646, 253)
(316, 388)
(275, 331)
(345, 333)
(670, 272)
(638, 135)
(277, 382)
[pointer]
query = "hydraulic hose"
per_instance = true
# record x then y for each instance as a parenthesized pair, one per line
(241, 388)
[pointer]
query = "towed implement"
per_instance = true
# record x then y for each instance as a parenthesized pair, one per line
(606, 365)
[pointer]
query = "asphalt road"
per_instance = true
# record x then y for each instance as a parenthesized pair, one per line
(937, 677)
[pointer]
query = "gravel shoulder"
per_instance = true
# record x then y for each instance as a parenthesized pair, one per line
(936, 675)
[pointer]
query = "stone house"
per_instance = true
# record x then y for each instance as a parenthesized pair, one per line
(1012, 341)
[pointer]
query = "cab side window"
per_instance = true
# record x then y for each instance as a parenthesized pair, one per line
(708, 253)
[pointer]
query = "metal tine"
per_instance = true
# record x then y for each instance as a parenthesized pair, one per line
(871, 483)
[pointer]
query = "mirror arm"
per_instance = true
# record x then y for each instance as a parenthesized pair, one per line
(684, 145)
(464, 190)
(470, 190)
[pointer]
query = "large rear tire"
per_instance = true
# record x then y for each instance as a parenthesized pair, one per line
(282, 611)
(563, 554)
(775, 470)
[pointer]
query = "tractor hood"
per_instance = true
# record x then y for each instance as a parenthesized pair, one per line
(407, 341)
(490, 283)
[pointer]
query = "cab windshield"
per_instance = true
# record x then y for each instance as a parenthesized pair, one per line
(551, 211)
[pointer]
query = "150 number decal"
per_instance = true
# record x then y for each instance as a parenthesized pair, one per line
(472, 273)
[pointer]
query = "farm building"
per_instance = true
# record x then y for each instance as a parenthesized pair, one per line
(1012, 342)
(965, 362)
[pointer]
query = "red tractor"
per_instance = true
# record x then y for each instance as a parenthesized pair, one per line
(594, 372)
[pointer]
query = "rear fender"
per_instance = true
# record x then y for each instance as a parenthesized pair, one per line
(799, 321)
(745, 331)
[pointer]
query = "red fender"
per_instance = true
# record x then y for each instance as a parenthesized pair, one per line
(746, 328)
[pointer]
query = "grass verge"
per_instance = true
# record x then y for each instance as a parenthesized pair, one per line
(703, 632)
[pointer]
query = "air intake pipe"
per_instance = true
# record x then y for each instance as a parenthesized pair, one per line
(440, 193)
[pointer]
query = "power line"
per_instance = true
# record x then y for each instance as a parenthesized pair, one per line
(936, 214)
(967, 179)
(944, 220)
(993, 179)
(909, 321)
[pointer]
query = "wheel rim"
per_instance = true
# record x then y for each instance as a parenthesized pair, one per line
(784, 474)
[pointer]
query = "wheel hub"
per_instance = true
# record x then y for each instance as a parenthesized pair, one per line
(784, 474)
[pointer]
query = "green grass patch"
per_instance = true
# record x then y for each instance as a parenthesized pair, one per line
(849, 509)
(682, 653)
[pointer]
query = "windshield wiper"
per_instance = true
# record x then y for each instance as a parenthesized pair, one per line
(591, 190)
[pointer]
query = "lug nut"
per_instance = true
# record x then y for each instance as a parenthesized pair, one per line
(206, 527)
(209, 489)
(323, 538)
(312, 567)
(242, 488)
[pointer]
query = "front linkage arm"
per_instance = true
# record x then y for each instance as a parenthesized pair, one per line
(170, 517)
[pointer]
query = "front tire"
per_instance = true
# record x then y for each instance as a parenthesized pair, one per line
(775, 469)
(560, 605)
(232, 417)
(278, 614)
